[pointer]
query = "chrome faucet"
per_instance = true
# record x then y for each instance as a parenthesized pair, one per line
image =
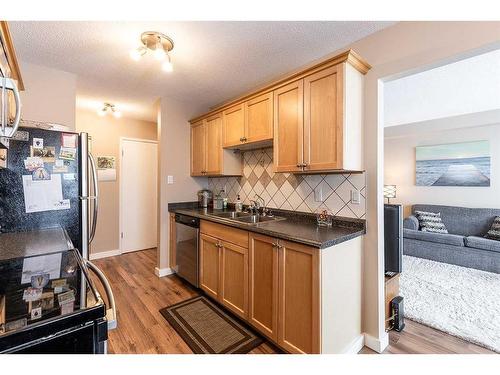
(265, 211)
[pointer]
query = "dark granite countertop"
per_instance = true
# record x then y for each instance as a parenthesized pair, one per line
(298, 227)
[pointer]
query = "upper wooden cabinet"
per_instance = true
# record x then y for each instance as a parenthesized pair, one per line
(249, 123)
(288, 127)
(314, 117)
(323, 120)
(326, 125)
(233, 125)
(9, 66)
(207, 155)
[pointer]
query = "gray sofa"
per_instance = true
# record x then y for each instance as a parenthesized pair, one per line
(465, 244)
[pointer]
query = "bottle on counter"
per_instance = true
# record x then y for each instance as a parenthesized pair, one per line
(238, 205)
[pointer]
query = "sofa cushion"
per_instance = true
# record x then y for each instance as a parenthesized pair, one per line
(448, 239)
(463, 220)
(411, 222)
(430, 222)
(482, 243)
(494, 232)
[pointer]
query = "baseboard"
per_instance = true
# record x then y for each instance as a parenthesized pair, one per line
(355, 346)
(376, 344)
(161, 272)
(104, 254)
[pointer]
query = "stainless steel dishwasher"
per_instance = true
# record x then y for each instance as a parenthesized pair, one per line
(186, 239)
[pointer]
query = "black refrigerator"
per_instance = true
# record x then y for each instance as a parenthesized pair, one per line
(48, 182)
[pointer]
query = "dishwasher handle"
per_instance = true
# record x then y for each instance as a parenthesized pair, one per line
(187, 220)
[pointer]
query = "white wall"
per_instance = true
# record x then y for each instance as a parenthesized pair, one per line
(467, 86)
(174, 159)
(49, 95)
(399, 169)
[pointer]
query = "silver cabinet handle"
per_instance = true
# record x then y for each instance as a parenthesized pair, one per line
(111, 312)
(95, 198)
(8, 83)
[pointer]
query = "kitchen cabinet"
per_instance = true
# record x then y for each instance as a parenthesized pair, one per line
(9, 67)
(224, 266)
(313, 118)
(208, 158)
(284, 293)
(288, 127)
(249, 123)
(318, 124)
(304, 299)
(198, 148)
(263, 292)
(299, 301)
(234, 125)
(172, 252)
(234, 278)
(323, 120)
(209, 265)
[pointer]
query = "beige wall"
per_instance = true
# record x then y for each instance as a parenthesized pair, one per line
(174, 160)
(106, 133)
(49, 95)
(404, 48)
(399, 168)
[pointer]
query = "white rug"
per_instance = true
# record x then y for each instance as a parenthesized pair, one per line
(463, 302)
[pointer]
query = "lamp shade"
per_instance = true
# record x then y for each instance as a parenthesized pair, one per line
(389, 191)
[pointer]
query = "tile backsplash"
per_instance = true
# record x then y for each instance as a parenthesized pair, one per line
(290, 191)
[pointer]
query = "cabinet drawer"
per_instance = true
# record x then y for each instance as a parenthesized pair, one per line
(236, 236)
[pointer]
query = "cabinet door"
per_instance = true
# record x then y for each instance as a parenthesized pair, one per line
(299, 304)
(233, 291)
(209, 265)
(288, 127)
(172, 256)
(323, 119)
(233, 120)
(214, 145)
(259, 118)
(198, 148)
(263, 292)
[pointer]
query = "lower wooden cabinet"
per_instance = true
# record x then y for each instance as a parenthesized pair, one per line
(233, 289)
(299, 298)
(209, 265)
(263, 291)
(224, 273)
(284, 293)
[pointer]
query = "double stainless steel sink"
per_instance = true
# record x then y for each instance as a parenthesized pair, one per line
(246, 217)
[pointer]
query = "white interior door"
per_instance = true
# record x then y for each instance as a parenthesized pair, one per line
(138, 203)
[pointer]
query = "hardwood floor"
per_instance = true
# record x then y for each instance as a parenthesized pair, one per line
(140, 294)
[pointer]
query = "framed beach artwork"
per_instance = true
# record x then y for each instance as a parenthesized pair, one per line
(454, 164)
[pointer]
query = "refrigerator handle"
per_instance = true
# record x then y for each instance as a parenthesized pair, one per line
(8, 83)
(111, 312)
(95, 198)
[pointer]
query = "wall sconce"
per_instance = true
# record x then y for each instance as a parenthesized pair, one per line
(389, 192)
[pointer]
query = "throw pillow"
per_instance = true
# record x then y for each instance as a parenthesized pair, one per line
(494, 232)
(430, 222)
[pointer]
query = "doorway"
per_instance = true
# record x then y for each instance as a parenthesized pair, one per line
(138, 197)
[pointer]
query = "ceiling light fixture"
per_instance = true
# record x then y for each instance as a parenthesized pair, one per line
(158, 44)
(109, 108)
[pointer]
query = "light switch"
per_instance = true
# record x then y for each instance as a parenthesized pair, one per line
(170, 180)
(355, 197)
(318, 193)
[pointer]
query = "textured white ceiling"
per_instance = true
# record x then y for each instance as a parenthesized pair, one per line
(213, 61)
